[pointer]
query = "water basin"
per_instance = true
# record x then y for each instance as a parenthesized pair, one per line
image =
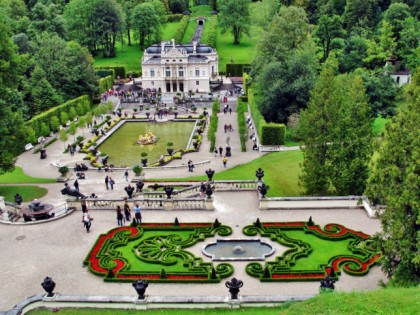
(238, 249)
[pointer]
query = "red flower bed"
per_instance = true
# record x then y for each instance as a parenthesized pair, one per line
(298, 275)
(283, 224)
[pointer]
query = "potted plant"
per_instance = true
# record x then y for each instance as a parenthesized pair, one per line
(144, 158)
(169, 147)
(63, 170)
(137, 169)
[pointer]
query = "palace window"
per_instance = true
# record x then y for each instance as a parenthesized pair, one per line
(197, 72)
(181, 71)
(168, 72)
(152, 72)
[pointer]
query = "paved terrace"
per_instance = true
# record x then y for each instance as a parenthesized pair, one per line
(58, 248)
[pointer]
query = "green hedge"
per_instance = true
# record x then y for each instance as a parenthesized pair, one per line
(82, 104)
(105, 84)
(246, 80)
(180, 30)
(174, 17)
(242, 108)
(273, 134)
(236, 69)
(118, 71)
(210, 32)
(102, 73)
(214, 121)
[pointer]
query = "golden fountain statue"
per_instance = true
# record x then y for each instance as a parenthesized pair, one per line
(148, 138)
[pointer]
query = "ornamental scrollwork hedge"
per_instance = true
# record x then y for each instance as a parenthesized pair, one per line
(156, 252)
(313, 252)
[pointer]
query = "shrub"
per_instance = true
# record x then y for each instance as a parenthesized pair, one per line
(180, 31)
(243, 130)
(210, 35)
(105, 84)
(214, 120)
(118, 71)
(235, 69)
(137, 169)
(273, 134)
(102, 73)
(63, 170)
(174, 17)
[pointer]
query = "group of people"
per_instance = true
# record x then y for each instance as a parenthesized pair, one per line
(190, 166)
(228, 127)
(109, 182)
(124, 215)
(227, 109)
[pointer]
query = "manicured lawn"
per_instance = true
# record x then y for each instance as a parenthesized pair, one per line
(19, 177)
(27, 192)
(382, 301)
(169, 30)
(201, 10)
(127, 56)
(189, 33)
(281, 173)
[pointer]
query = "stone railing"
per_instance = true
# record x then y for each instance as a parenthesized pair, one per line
(9, 211)
(235, 185)
(147, 203)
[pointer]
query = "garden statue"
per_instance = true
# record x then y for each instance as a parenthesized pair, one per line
(48, 285)
(18, 199)
(234, 285)
(140, 286)
(148, 138)
(259, 173)
(327, 284)
(263, 189)
(210, 174)
(129, 190)
(169, 190)
(139, 186)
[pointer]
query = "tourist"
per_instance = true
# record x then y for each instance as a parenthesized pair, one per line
(215, 152)
(225, 161)
(120, 216)
(84, 206)
(230, 111)
(126, 175)
(76, 185)
(137, 214)
(127, 211)
(202, 189)
(106, 182)
(111, 183)
(87, 220)
(220, 151)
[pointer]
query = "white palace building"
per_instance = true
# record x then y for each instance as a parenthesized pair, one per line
(176, 68)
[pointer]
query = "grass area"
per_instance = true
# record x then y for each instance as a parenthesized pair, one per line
(169, 30)
(127, 56)
(28, 193)
(379, 126)
(19, 177)
(201, 10)
(281, 173)
(384, 301)
(189, 33)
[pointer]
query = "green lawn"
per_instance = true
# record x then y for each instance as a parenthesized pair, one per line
(189, 33)
(127, 56)
(19, 177)
(201, 10)
(383, 301)
(27, 192)
(281, 173)
(169, 30)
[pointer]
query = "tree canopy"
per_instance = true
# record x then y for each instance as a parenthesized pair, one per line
(234, 17)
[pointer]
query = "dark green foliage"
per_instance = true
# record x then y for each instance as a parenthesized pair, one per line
(102, 73)
(175, 17)
(180, 30)
(110, 274)
(118, 71)
(178, 6)
(241, 109)
(234, 17)
(235, 69)
(163, 274)
(266, 274)
(395, 182)
(273, 134)
(210, 35)
(214, 120)
(310, 222)
(216, 224)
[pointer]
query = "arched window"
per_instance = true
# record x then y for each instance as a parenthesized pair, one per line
(181, 72)
(168, 87)
(167, 72)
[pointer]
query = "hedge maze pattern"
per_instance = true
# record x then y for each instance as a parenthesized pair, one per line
(362, 255)
(156, 252)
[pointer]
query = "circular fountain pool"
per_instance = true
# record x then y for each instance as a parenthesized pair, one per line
(238, 249)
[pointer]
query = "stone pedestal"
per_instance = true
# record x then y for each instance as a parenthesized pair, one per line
(209, 204)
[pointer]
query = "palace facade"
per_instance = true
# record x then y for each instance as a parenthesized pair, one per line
(181, 68)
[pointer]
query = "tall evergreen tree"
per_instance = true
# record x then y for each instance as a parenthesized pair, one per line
(395, 182)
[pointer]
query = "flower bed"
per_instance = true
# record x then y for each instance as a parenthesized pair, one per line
(156, 252)
(314, 252)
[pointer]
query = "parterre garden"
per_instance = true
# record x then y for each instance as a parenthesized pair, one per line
(157, 252)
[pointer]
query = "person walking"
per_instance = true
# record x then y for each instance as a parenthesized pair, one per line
(220, 151)
(215, 152)
(137, 214)
(111, 183)
(87, 221)
(127, 211)
(107, 182)
(76, 185)
(120, 216)
(126, 175)
(225, 161)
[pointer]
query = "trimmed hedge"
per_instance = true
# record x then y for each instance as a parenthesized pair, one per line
(214, 121)
(102, 73)
(236, 69)
(273, 134)
(82, 103)
(118, 71)
(246, 81)
(174, 17)
(210, 32)
(105, 84)
(181, 29)
(242, 108)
